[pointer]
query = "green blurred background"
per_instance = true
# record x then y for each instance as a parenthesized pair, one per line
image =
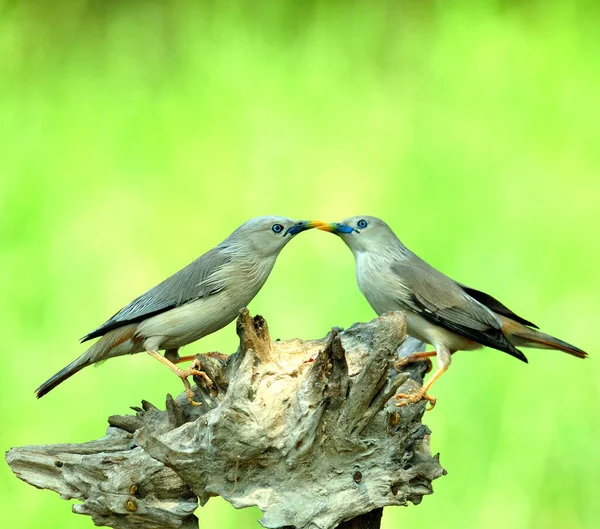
(136, 135)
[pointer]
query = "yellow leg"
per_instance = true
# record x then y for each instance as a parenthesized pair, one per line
(189, 358)
(173, 356)
(415, 357)
(183, 374)
(421, 392)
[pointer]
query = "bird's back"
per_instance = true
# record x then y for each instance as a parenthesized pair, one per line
(201, 278)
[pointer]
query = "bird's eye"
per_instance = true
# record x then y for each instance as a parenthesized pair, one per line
(277, 228)
(362, 223)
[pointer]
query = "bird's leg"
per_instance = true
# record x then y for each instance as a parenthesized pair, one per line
(183, 374)
(189, 358)
(415, 357)
(173, 356)
(444, 356)
(421, 393)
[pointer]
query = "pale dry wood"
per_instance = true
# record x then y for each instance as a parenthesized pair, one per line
(305, 430)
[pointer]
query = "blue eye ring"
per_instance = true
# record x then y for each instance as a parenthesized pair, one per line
(277, 228)
(362, 224)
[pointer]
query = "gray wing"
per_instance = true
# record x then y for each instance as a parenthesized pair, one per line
(199, 279)
(441, 301)
(495, 305)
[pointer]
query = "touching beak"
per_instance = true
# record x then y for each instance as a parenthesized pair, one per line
(304, 225)
(336, 227)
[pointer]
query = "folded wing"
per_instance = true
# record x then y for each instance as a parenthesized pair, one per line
(495, 305)
(201, 278)
(441, 301)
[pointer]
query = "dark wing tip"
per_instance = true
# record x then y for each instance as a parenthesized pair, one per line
(490, 337)
(497, 340)
(89, 336)
(519, 354)
(102, 330)
(494, 305)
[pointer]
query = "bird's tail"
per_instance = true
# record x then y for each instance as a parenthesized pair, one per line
(114, 343)
(66, 372)
(522, 336)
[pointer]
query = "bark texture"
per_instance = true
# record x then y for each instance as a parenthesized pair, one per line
(305, 430)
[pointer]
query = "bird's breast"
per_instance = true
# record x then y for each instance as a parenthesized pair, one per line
(385, 291)
(374, 281)
(190, 322)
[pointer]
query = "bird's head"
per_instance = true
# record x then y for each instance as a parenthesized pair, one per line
(266, 236)
(362, 233)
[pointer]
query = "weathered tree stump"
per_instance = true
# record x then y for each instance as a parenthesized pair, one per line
(305, 430)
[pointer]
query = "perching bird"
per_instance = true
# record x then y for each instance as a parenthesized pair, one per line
(439, 311)
(198, 300)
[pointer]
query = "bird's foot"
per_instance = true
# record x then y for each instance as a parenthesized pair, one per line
(193, 370)
(412, 398)
(190, 393)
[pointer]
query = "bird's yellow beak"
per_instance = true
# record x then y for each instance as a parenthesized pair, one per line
(303, 225)
(337, 228)
(332, 228)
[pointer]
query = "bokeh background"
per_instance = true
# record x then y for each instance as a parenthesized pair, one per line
(136, 135)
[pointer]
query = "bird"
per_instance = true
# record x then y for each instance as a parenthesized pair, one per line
(439, 311)
(198, 300)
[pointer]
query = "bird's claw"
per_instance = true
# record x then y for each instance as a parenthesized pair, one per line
(190, 396)
(194, 370)
(413, 398)
(190, 393)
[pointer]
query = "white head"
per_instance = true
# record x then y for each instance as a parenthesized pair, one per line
(266, 236)
(364, 234)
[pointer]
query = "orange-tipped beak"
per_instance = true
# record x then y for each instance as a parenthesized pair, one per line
(332, 228)
(336, 227)
(303, 225)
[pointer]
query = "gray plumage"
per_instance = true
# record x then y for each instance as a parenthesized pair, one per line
(439, 311)
(198, 300)
(441, 301)
(206, 276)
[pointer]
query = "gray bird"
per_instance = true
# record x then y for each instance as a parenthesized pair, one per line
(198, 300)
(439, 311)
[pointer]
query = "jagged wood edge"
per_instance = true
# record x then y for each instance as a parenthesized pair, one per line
(143, 500)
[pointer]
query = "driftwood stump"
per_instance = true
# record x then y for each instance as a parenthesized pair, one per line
(305, 430)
